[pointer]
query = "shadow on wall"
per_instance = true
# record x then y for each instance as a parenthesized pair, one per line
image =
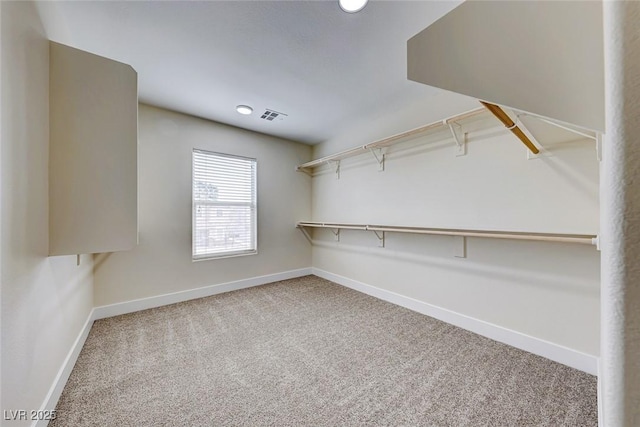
(500, 260)
(99, 260)
(562, 167)
(559, 157)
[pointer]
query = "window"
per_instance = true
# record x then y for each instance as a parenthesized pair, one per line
(224, 205)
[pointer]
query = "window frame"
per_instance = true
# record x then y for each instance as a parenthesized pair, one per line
(253, 207)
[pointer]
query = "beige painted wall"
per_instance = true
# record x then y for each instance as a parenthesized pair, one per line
(545, 57)
(45, 301)
(93, 197)
(161, 263)
(546, 290)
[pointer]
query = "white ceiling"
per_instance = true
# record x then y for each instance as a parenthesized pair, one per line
(308, 59)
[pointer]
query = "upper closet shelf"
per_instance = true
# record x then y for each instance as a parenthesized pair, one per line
(386, 142)
(454, 124)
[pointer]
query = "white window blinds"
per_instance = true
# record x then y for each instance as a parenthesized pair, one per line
(224, 205)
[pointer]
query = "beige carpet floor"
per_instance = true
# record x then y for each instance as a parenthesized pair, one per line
(310, 352)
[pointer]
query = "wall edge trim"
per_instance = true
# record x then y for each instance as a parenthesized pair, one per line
(116, 309)
(558, 353)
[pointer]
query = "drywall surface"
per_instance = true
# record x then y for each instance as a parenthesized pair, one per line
(546, 290)
(45, 301)
(398, 118)
(620, 186)
(541, 57)
(161, 263)
(93, 153)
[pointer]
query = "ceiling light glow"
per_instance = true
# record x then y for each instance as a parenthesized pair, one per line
(244, 109)
(352, 6)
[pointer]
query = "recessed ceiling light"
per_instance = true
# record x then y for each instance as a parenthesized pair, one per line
(352, 6)
(244, 109)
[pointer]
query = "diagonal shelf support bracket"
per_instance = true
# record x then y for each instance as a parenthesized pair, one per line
(597, 136)
(336, 167)
(336, 234)
(379, 154)
(381, 238)
(304, 171)
(306, 234)
(460, 140)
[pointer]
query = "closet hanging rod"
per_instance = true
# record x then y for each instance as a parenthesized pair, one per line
(587, 239)
(385, 142)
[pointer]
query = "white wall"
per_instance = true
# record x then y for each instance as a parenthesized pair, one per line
(161, 263)
(45, 301)
(546, 290)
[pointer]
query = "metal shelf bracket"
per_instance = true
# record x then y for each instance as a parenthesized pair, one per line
(306, 234)
(336, 234)
(461, 141)
(336, 167)
(381, 238)
(304, 170)
(597, 136)
(460, 246)
(379, 156)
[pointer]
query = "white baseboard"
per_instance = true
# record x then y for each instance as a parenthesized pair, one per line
(555, 352)
(102, 312)
(575, 359)
(61, 379)
(206, 291)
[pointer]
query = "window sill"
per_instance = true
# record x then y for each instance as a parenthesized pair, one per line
(222, 256)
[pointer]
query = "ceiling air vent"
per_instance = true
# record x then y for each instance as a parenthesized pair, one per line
(271, 115)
